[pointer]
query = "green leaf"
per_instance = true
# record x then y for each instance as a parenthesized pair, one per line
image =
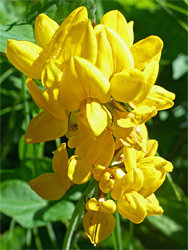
(61, 210)
(21, 203)
(17, 241)
(18, 32)
(179, 66)
(165, 224)
(25, 150)
(66, 6)
(32, 167)
(144, 4)
(28, 209)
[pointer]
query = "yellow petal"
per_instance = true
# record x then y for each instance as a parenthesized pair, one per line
(143, 113)
(79, 170)
(145, 51)
(154, 169)
(76, 140)
(80, 81)
(52, 73)
(130, 32)
(48, 100)
(106, 182)
(54, 48)
(48, 186)
(108, 206)
(132, 206)
(119, 25)
(151, 148)
(98, 226)
(80, 41)
(150, 73)
(99, 150)
(76, 38)
(153, 207)
(98, 171)
(109, 177)
(26, 57)
(127, 85)
(129, 158)
(160, 98)
(138, 116)
(60, 165)
(120, 58)
(94, 116)
(129, 137)
(104, 54)
(60, 159)
(45, 28)
(45, 127)
(101, 205)
(132, 181)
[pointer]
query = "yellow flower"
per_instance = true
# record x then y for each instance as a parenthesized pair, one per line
(144, 51)
(99, 221)
(52, 186)
(52, 122)
(130, 203)
(153, 207)
(90, 153)
(132, 206)
(45, 61)
(131, 77)
(53, 42)
(108, 178)
(84, 87)
(127, 62)
(154, 168)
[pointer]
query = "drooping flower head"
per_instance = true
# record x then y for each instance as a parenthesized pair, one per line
(98, 89)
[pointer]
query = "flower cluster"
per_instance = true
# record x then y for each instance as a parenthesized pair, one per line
(98, 90)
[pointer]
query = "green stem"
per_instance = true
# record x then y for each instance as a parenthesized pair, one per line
(169, 11)
(11, 229)
(5, 75)
(118, 230)
(52, 235)
(114, 240)
(173, 186)
(25, 103)
(185, 1)
(176, 8)
(37, 238)
(28, 238)
(58, 142)
(131, 230)
(78, 210)
(117, 237)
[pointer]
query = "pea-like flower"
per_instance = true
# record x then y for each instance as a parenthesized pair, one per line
(99, 221)
(98, 89)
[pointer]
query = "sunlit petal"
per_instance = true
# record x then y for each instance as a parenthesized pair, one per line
(45, 28)
(132, 206)
(146, 50)
(26, 57)
(98, 226)
(127, 85)
(119, 25)
(45, 127)
(48, 100)
(48, 186)
(79, 170)
(80, 81)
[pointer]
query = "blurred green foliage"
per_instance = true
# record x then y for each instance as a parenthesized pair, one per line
(28, 221)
